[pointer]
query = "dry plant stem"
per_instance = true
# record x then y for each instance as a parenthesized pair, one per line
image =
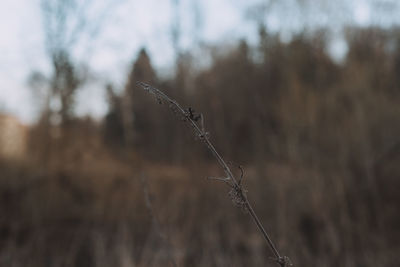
(238, 192)
(156, 225)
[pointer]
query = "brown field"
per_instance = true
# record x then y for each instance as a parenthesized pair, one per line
(319, 140)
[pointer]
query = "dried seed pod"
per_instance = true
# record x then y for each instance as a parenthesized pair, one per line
(236, 195)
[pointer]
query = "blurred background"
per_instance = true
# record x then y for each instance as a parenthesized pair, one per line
(304, 94)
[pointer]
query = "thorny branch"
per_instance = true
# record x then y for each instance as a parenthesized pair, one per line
(237, 192)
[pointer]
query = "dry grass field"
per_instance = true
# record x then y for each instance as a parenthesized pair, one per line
(319, 142)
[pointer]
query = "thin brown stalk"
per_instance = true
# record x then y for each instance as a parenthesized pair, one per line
(237, 193)
(157, 228)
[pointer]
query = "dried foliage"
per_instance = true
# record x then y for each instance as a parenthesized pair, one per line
(237, 193)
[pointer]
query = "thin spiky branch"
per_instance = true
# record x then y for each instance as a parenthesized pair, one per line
(237, 192)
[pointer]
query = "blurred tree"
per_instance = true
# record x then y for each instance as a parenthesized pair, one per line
(65, 81)
(113, 128)
(136, 111)
(67, 24)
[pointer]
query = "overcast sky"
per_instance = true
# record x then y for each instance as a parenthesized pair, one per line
(130, 25)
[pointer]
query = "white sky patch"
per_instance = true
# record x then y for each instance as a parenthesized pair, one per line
(91, 101)
(15, 20)
(338, 49)
(273, 23)
(16, 100)
(361, 13)
(219, 17)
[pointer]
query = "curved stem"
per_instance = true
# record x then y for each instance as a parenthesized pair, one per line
(282, 261)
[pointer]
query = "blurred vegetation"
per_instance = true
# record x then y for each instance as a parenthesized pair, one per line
(320, 141)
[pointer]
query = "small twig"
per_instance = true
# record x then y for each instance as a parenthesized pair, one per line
(154, 219)
(237, 193)
(225, 180)
(241, 174)
(149, 205)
